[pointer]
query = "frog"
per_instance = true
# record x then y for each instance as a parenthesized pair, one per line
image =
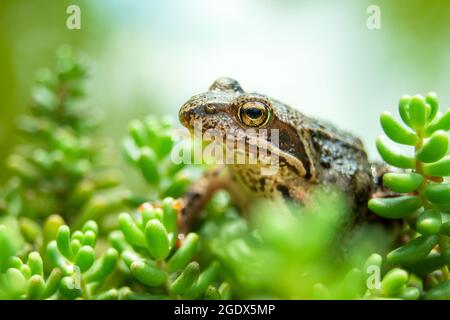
(310, 152)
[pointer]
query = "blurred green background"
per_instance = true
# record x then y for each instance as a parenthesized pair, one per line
(150, 56)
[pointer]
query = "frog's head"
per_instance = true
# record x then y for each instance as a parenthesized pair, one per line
(227, 108)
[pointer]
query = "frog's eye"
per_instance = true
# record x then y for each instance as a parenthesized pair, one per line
(254, 113)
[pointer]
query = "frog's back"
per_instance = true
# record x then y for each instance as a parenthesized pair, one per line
(338, 156)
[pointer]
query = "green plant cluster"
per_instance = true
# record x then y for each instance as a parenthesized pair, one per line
(396, 283)
(59, 170)
(50, 211)
(157, 258)
(293, 254)
(423, 192)
(70, 229)
(151, 146)
(67, 269)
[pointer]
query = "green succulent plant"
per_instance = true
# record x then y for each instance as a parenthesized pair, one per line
(151, 251)
(423, 190)
(58, 170)
(295, 253)
(60, 196)
(68, 270)
(150, 147)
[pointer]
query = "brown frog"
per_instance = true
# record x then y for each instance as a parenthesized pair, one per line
(310, 152)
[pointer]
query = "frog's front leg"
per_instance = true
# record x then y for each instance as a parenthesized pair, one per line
(198, 195)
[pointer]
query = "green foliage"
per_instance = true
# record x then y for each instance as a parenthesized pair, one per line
(152, 146)
(290, 253)
(427, 204)
(69, 270)
(62, 237)
(153, 254)
(58, 170)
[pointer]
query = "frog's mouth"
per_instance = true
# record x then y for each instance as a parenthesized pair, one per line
(239, 148)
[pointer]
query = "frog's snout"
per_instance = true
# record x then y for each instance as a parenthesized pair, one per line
(190, 111)
(185, 115)
(193, 109)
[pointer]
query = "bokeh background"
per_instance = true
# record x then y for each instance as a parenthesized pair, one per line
(150, 56)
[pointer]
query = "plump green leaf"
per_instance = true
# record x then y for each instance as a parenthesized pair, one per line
(417, 112)
(428, 264)
(393, 155)
(130, 150)
(439, 292)
(35, 263)
(374, 260)
(26, 271)
(147, 273)
(225, 291)
(403, 109)
(440, 123)
(410, 293)
(90, 225)
(17, 283)
(178, 185)
(51, 227)
(52, 283)
(75, 246)
(439, 169)
(402, 182)
(129, 257)
(131, 231)
(112, 294)
(89, 239)
(185, 280)
(164, 145)
(204, 280)
(138, 133)
(148, 163)
(57, 259)
(148, 212)
(85, 258)
(103, 267)
(396, 132)
(429, 222)
(63, 241)
(393, 282)
(184, 254)
(36, 287)
(438, 193)
(170, 216)
(413, 250)
(434, 148)
(157, 239)
(118, 241)
(394, 208)
(433, 102)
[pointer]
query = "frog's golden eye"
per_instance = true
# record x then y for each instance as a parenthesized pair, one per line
(254, 113)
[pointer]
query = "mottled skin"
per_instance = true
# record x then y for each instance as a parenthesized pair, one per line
(310, 152)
